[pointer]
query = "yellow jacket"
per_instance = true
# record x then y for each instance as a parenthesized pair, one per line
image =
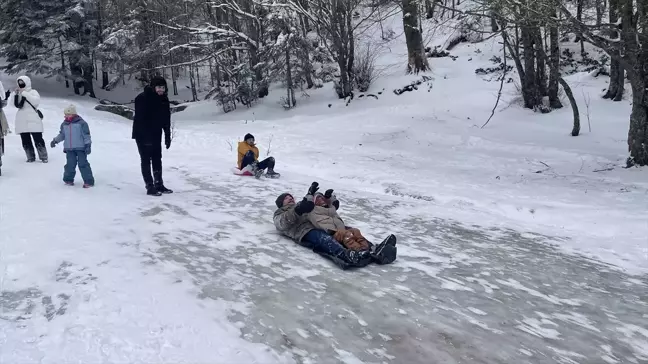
(243, 148)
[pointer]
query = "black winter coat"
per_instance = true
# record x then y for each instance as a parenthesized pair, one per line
(152, 116)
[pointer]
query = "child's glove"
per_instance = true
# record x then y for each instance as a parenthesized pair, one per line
(313, 188)
(52, 144)
(88, 149)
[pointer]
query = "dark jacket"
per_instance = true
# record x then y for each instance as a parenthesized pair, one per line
(152, 114)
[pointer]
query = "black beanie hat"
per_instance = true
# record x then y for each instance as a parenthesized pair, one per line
(248, 136)
(279, 201)
(158, 81)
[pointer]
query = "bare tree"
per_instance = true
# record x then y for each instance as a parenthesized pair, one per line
(416, 59)
(631, 51)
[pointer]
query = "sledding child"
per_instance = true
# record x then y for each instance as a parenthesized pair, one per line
(248, 157)
(75, 133)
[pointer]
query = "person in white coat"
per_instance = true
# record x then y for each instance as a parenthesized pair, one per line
(4, 126)
(29, 121)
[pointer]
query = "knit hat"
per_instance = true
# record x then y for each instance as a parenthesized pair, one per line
(70, 110)
(316, 195)
(158, 81)
(280, 199)
(248, 136)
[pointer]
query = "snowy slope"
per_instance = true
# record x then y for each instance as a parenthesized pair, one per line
(112, 275)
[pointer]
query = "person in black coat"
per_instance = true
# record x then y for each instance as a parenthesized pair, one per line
(152, 117)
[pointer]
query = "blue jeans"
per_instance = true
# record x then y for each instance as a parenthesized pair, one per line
(321, 242)
(79, 157)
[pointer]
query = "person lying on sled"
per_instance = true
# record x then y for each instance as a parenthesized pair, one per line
(325, 217)
(293, 220)
(248, 158)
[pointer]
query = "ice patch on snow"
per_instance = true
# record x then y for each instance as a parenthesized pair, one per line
(550, 298)
(347, 357)
(477, 311)
(535, 327)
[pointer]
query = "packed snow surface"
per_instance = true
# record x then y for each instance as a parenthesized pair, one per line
(517, 242)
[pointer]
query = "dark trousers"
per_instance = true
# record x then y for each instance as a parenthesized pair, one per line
(322, 242)
(26, 139)
(151, 156)
(248, 159)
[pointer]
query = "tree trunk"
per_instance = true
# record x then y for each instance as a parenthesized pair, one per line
(528, 80)
(574, 106)
(88, 74)
(579, 16)
(554, 68)
(345, 81)
(617, 74)
(635, 44)
(350, 42)
(290, 97)
(541, 68)
(105, 80)
(104, 70)
(600, 10)
(416, 59)
(76, 72)
(638, 133)
(429, 9)
(493, 21)
(63, 69)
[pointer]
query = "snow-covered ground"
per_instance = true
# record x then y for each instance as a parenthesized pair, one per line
(516, 243)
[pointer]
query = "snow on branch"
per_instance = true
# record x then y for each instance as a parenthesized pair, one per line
(200, 60)
(233, 6)
(212, 30)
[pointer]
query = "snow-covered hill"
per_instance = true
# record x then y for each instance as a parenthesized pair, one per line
(517, 242)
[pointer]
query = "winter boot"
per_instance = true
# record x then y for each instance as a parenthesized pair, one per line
(271, 172)
(159, 184)
(42, 153)
(385, 252)
(69, 183)
(357, 258)
(152, 191)
(87, 185)
(163, 189)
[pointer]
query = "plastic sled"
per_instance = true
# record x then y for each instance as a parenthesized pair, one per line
(247, 171)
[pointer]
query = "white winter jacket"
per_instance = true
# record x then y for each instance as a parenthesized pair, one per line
(27, 119)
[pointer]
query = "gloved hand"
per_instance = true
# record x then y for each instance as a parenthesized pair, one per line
(167, 141)
(52, 144)
(304, 207)
(313, 188)
(88, 149)
(328, 193)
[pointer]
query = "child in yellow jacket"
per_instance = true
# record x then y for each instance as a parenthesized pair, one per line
(248, 157)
